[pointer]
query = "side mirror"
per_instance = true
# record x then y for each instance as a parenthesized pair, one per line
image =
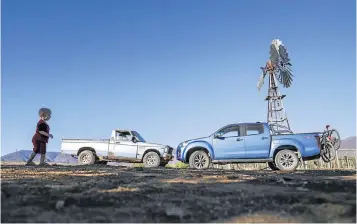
(218, 135)
(133, 139)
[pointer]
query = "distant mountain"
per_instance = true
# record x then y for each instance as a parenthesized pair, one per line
(348, 143)
(23, 156)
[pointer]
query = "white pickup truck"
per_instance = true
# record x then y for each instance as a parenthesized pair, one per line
(123, 146)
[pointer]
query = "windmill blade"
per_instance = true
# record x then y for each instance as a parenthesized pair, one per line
(261, 81)
(284, 55)
(286, 78)
(274, 54)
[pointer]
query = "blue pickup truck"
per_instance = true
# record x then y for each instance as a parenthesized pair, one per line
(250, 143)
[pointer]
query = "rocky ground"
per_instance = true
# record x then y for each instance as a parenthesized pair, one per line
(102, 193)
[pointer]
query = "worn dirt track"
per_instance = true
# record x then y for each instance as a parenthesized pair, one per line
(103, 193)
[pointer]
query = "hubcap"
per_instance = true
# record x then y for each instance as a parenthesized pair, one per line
(85, 159)
(286, 160)
(151, 160)
(200, 161)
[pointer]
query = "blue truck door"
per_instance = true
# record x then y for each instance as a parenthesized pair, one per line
(228, 144)
(257, 141)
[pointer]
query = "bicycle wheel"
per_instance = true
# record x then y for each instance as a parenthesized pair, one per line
(328, 152)
(335, 138)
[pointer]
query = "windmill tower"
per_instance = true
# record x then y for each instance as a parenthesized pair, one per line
(278, 69)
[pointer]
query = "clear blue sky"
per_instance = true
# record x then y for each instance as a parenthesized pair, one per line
(172, 70)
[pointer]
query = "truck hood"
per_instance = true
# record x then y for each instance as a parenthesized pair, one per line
(195, 139)
(148, 144)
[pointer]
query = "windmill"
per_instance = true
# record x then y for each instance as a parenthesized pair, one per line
(278, 69)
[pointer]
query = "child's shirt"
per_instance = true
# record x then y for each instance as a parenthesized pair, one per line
(41, 126)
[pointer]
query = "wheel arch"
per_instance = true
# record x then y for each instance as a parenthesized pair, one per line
(195, 145)
(150, 150)
(86, 148)
(286, 147)
(194, 149)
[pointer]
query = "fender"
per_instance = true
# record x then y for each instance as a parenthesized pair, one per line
(194, 144)
(288, 142)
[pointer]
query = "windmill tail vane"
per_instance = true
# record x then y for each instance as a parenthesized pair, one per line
(261, 80)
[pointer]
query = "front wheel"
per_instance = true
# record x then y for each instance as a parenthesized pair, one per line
(286, 160)
(199, 160)
(151, 159)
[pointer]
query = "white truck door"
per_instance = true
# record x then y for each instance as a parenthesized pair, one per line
(123, 146)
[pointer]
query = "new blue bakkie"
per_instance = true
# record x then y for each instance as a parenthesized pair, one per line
(250, 143)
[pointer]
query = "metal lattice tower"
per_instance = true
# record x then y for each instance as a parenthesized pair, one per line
(276, 116)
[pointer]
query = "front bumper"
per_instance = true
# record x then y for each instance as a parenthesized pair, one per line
(167, 156)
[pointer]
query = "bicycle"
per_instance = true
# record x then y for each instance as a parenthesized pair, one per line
(330, 142)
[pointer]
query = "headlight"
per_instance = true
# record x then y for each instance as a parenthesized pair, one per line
(183, 144)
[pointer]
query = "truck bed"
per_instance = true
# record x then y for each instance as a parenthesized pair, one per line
(71, 146)
(84, 140)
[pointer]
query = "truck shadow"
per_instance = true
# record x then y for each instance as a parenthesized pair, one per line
(119, 194)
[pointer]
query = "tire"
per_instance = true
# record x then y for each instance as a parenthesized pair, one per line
(328, 152)
(151, 159)
(286, 160)
(199, 160)
(337, 142)
(86, 157)
(272, 166)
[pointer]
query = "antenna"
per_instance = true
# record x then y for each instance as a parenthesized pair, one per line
(278, 69)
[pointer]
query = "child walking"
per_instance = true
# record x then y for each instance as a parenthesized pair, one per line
(41, 136)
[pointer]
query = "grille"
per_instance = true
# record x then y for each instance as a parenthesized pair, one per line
(170, 150)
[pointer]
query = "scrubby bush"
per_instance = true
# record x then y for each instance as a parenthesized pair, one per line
(178, 165)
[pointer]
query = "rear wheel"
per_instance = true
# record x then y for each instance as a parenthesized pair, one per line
(86, 157)
(199, 160)
(328, 152)
(151, 159)
(286, 160)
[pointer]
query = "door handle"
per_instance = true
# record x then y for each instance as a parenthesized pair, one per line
(263, 138)
(239, 139)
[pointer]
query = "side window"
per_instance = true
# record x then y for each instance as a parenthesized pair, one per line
(231, 131)
(254, 129)
(122, 135)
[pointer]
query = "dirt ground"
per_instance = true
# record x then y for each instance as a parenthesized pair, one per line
(102, 193)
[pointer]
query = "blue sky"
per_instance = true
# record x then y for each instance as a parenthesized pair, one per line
(172, 70)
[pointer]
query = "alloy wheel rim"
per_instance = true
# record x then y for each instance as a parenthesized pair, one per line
(200, 161)
(85, 159)
(287, 160)
(151, 160)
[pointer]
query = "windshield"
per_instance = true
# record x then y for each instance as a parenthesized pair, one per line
(138, 136)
